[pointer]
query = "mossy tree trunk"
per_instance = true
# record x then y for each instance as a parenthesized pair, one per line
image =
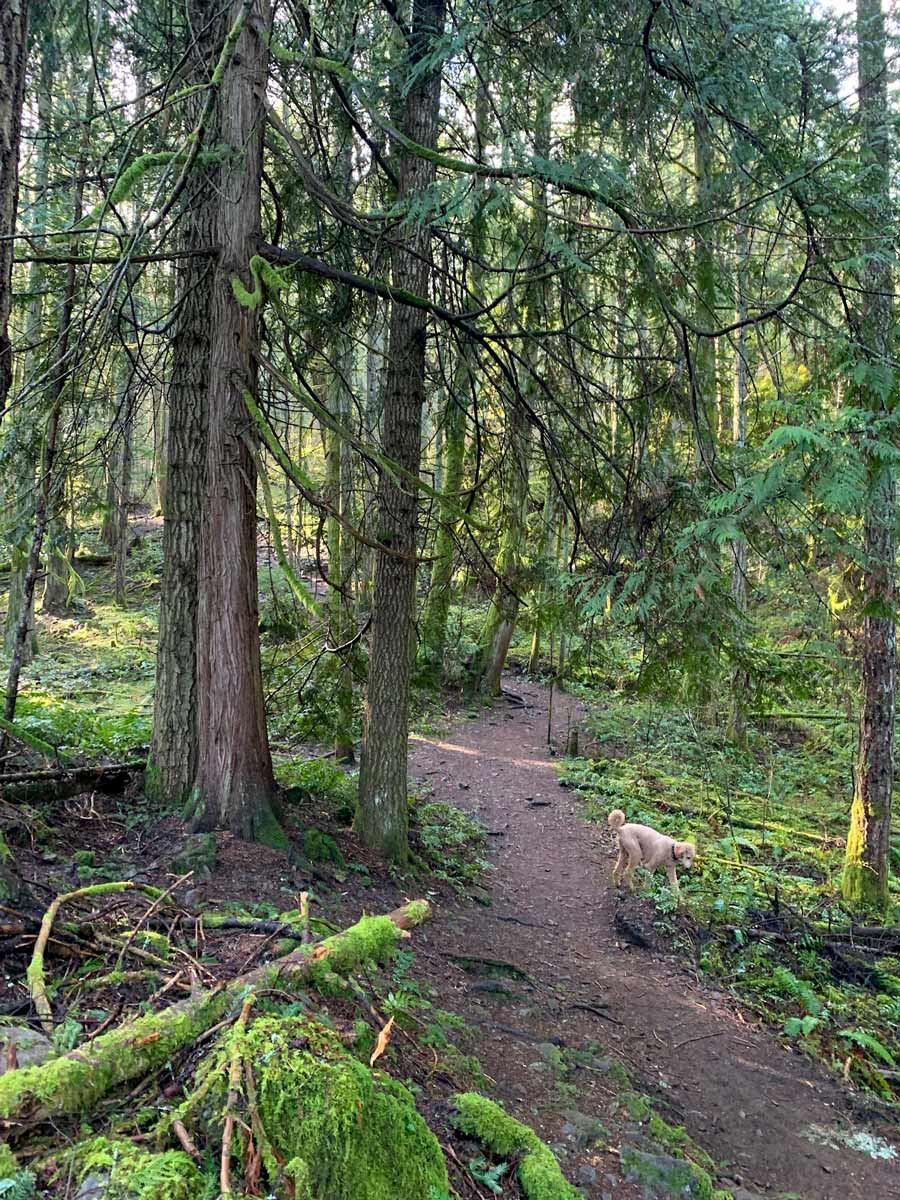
(865, 876)
(57, 374)
(23, 425)
(13, 59)
(382, 816)
(172, 769)
(235, 784)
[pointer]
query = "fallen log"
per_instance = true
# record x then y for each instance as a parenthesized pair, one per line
(75, 1082)
(87, 774)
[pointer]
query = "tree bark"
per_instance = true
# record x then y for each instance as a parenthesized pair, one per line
(13, 60)
(174, 754)
(865, 876)
(24, 466)
(382, 818)
(235, 785)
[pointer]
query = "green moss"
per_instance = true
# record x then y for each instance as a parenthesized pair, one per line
(539, 1172)
(360, 1137)
(371, 939)
(148, 939)
(637, 1106)
(662, 1176)
(266, 281)
(268, 831)
(74, 1082)
(321, 847)
(676, 1140)
(8, 1164)
(138, 1174)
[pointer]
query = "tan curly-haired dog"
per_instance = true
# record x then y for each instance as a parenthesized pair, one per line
(641, 846)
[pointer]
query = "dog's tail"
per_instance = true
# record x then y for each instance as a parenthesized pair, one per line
(616, 819)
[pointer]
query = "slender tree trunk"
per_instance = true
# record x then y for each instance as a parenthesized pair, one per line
(382, 817)
(58, 382)
(865, 877)
(547, 522)
(235, 785)
(26, 437)
(704, 398)
(440, 590)
(120, 546)
(496, 634)
(740, 680)
(13, 58)
(339, 573)
(375, 349)
(500, 623)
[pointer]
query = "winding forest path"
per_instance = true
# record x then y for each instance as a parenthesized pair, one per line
(749, 1102)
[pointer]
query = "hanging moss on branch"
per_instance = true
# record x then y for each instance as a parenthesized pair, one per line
(74, 1082)
(266, 281)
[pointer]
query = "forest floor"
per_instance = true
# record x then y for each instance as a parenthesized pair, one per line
(587, 1012)
(575, 983)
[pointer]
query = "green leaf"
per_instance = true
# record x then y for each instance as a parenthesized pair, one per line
(866, 1041)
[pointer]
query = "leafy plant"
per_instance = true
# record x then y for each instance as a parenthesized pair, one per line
(489, 1176)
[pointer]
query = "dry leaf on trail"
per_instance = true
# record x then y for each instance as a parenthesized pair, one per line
(382, 1044)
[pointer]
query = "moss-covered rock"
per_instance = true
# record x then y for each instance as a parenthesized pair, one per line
(130, 1172)
(539, 1172)
(321, 847)
(198, 854)
(665, 1177)
(342, 1130)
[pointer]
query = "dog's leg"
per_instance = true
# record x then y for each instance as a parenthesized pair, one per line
(617, 869)
(634, 861)
(673, 880)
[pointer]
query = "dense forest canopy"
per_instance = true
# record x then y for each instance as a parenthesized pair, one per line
(365, 349)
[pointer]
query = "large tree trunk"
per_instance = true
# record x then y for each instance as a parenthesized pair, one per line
(13, 57)
(865, 878)
(235, 785)
(172, 770)
(382, 817)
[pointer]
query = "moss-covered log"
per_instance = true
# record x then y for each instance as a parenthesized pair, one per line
(76, 1081)
(539, 1172)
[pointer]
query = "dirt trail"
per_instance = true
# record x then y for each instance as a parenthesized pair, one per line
(743, 1097)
